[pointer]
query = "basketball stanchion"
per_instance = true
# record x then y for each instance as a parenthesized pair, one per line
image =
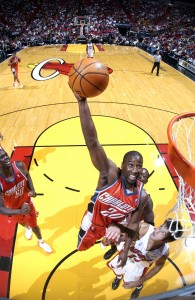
(181, 150)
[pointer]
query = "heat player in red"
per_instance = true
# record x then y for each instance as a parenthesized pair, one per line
(16, 190)
(118, 192)
(13, 63)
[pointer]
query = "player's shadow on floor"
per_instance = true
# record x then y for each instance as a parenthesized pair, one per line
(159, 286)
(75, 279)
(58, 224)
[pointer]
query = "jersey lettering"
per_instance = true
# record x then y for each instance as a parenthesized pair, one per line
(108, 199)
(16, 189)
(19, 192)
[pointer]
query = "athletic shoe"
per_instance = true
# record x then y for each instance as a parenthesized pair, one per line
(136, 292)
(21, 86)
(28, 233)
(115, 283)
(110, 252)
(102, 246)
(15, 84)
(45, 247)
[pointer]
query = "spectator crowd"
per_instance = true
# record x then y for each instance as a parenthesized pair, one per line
(147, 24)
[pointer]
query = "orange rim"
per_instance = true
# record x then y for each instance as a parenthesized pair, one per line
(184, 168)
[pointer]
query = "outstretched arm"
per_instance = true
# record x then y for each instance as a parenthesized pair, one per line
(108, 170)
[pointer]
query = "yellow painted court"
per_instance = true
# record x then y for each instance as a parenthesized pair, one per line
(133, 113)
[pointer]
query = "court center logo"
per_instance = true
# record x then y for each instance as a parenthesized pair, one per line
(57, 64)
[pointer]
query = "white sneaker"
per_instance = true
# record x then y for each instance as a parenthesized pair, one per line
(28, 233)
(102, 246)
(15, 84)
(45, 247)
(21, 86)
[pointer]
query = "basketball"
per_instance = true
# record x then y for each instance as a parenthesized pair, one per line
(88, 77)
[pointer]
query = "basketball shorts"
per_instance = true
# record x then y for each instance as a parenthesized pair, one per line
(14, 71)
(89, 233)
(132, 271)
(90, 53)
(29, 219)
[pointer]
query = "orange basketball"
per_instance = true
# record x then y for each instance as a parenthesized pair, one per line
(88, 77)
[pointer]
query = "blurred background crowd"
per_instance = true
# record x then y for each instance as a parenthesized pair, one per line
(167, 26)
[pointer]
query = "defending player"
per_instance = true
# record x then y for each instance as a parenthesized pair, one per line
(150, 247)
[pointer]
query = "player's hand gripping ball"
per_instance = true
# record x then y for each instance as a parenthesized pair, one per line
(88, 77)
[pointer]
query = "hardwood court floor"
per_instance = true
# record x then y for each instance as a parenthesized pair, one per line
(132, 113)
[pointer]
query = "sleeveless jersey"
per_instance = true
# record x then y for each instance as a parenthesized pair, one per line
(113, 203)
(142, 257)
(90, 47)
(14, 62)
(15, 191)
(90, 50)
(138, 259)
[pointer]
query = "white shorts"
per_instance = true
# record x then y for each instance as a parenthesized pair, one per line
(90, 54)
(132, 271)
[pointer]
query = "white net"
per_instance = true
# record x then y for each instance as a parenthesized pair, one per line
(184, 209)
(183, 137)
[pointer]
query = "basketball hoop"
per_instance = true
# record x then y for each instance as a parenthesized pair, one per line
(181, 150)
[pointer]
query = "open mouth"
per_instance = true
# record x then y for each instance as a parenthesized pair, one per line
(132, 177)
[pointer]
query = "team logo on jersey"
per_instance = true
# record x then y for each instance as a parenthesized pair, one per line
(57, 64)
(16, 189)
(136, 201)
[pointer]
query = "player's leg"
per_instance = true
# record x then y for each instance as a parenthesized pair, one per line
(119, 272)
(15, 77)
(110, 252)
(140, 272)
(136, 292)
(31, 220)
(158, 67)
(152, 69)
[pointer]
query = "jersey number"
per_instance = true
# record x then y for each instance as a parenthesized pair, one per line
(112, 213)
(19, 192)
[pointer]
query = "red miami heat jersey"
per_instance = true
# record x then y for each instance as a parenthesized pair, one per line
(114, 203)
(15, 191)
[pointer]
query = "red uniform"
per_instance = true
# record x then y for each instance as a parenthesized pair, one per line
(110, 205)
(14, 64)
(15, 193)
